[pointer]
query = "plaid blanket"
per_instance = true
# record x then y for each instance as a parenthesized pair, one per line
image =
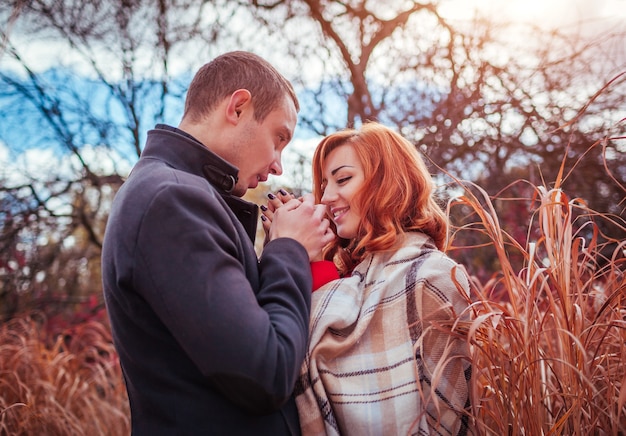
(381, 358)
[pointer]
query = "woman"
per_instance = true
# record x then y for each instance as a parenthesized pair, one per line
(386, 353)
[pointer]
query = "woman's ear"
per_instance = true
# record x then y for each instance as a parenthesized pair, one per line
(240, 101)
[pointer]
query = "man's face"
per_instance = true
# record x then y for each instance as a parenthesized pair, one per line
(257, 148)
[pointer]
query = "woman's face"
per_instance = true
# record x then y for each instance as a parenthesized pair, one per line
(342, 176)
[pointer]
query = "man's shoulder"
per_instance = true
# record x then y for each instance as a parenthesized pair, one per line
(152, 175)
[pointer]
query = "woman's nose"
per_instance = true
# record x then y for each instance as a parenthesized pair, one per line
(328, 196)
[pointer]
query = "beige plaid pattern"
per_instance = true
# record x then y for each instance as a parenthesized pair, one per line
(381, 358)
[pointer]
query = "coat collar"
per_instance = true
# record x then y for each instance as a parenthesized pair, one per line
(196, 158)
(182, 151)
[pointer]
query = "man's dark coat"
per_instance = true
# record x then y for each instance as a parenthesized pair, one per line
(210, 338)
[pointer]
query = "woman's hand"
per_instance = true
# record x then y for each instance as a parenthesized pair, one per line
(302, 220)
(274, 202)
(278, 200)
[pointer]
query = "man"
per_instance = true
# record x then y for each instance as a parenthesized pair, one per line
(211, 338)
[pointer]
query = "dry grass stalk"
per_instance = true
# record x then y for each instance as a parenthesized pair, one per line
(549, 359)
(73, 387)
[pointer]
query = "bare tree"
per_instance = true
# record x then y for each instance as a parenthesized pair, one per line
(122, 72)
(475, 103)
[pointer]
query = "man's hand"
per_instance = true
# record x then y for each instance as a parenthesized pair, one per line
(303, 221)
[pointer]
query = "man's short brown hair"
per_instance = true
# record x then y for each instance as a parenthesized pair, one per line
(235, 70)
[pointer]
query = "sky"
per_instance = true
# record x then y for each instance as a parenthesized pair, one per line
(543, 12)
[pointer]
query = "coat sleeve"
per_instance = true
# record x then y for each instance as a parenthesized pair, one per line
(248, 345)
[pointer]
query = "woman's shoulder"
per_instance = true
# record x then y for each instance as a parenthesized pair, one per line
(419, 253)
(414, 245)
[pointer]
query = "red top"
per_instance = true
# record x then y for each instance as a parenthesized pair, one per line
(323, 271)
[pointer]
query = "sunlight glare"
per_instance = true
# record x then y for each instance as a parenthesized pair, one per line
(541, 12)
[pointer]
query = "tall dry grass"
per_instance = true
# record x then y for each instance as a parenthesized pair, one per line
(73, 386)
(550, 357)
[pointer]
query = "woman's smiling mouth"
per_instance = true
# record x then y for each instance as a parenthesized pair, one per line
(339, 212)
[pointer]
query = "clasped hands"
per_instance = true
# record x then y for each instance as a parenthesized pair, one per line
(298, 218)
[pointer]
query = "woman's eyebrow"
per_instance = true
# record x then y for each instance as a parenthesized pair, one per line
(333, 172)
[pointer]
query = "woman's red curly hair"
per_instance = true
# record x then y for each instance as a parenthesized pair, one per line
(396, 196)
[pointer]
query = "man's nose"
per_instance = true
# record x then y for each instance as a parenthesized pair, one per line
(276, 168)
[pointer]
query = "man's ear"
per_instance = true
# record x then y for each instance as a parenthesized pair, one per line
(239, 101)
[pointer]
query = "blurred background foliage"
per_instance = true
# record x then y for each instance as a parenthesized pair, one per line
(489, 102)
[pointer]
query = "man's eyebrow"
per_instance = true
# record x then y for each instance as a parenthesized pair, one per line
(287, 133)
(333, 172)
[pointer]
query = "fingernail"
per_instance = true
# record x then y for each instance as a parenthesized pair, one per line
(271, 196)
(263, 218)
(263, 207)
(282, 191)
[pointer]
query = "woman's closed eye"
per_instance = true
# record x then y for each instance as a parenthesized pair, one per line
(343, 180)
